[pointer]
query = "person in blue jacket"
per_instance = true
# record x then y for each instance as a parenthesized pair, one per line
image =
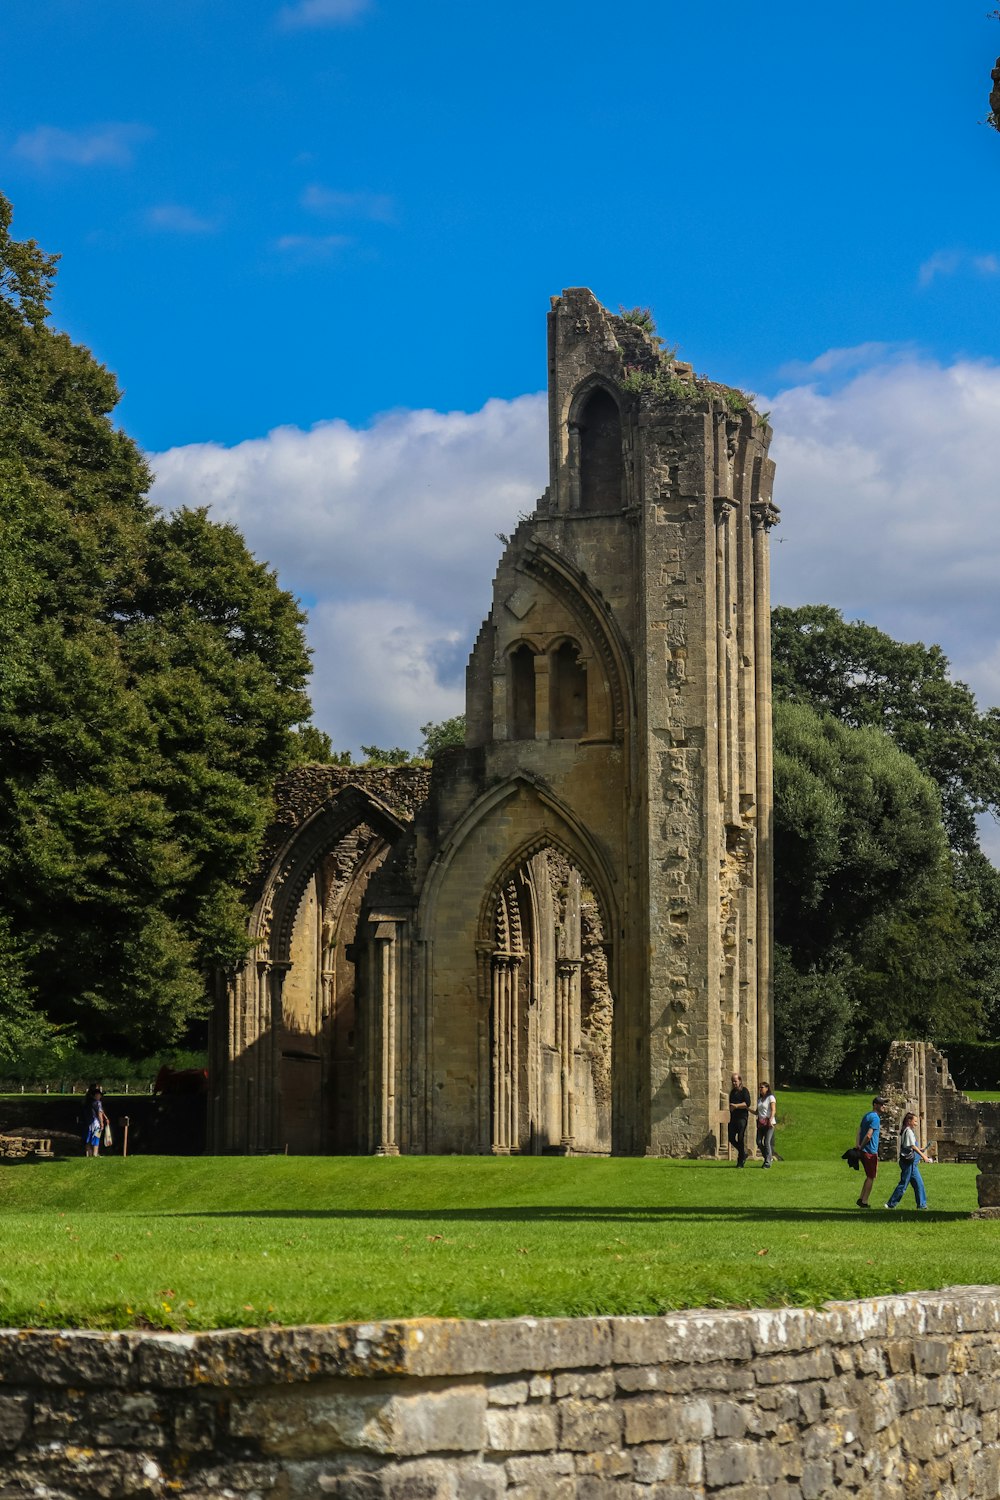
(867, 1143)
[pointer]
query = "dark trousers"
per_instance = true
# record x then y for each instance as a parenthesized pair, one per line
(737, 1135)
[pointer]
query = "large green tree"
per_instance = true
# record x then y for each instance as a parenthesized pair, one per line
(870, 931)
(151, 671)
(864, 678)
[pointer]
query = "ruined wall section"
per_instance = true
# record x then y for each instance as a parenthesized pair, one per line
(895, 1397)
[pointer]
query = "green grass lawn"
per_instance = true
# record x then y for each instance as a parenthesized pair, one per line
(211, 1242)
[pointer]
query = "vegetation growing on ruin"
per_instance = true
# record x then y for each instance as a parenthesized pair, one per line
(668, 381)
(215, 1242)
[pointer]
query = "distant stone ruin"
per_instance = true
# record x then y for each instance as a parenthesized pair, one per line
(559, 939)
(916, 1077)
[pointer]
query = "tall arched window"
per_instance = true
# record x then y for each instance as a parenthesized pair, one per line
(522, 694)
(600, 453)
(568, 693)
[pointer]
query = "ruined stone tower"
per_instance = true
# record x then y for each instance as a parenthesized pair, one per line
(568, 947)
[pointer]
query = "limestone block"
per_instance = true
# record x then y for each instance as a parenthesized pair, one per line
(650, 1420)
(15, 1414)
(507, 1393)
(538, 1470)
(588, 1425)
(526, 1429)
(296, 1425)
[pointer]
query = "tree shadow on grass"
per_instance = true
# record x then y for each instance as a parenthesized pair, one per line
(572, 1213)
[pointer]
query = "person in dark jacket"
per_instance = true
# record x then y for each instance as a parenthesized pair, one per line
(739, 1116)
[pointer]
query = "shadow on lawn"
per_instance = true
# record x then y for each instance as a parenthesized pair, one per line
(569, 1213)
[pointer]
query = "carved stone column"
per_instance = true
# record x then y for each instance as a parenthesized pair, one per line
(764, 515)
(543, 680)
(270, 1047)
(568, 1041)
(387, 1039)
(504, 1003)
(724, 508)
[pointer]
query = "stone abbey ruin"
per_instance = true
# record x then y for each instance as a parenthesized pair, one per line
(559, 938)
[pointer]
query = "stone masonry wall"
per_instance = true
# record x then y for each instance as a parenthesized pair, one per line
(895, 1397)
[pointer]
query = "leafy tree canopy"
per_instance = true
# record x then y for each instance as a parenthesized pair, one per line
(870, 924)
(443, 736)
(866, 679)
(151, 671)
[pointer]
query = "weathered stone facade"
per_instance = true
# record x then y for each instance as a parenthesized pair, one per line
(897, 1398)
(567, 945)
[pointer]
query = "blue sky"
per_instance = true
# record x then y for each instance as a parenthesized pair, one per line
(279, 213)
(316, 241)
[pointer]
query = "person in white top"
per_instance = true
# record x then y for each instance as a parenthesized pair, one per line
(765, 1107)
(910, 1157)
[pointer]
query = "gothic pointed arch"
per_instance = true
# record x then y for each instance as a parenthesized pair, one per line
(556, 824)
(596, 423)
(295, 864)
(597, 623)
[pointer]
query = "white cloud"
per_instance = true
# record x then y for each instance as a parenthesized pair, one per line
(312, 247)
(390, 532)
(839, 362)
(889, 487)
(950, 262)
(307, 13)
(338, 205)
(176, 218)
(111, 144)
(890, 497)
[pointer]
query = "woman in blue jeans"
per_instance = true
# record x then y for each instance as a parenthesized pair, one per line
(910, 1157)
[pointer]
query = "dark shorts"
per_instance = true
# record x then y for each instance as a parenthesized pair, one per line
(869, 1160)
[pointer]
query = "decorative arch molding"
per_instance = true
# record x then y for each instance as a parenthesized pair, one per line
(586, 389)
(545, 838)
(591, 610)
(296, 862)
(562, 830)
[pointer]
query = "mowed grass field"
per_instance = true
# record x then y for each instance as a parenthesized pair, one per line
(171, 1242)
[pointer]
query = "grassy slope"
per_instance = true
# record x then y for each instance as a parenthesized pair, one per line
(214, 1242)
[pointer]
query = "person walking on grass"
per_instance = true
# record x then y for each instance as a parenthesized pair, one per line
(739, 1118)
(766, 1106)
(94, 1120)
(867, 1144)
(910, 1157)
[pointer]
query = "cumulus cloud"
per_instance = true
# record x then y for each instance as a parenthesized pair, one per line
(389, 533)
(308, 248)
(111, 144)
(308, 13)
(176, 218)
(332, 204)
(950, 262)
(888, 480)
(889, 488)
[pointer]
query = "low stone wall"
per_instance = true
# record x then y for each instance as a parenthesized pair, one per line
(898, 1396)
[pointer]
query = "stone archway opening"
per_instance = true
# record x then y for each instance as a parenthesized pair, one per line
(551, 1012)
(319, 1041)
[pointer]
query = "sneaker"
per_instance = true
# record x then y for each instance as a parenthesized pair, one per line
(890, 1206)
(862, 1204)
(922, 1207)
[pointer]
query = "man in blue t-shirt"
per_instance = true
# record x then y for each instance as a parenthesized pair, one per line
(867, 1143)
